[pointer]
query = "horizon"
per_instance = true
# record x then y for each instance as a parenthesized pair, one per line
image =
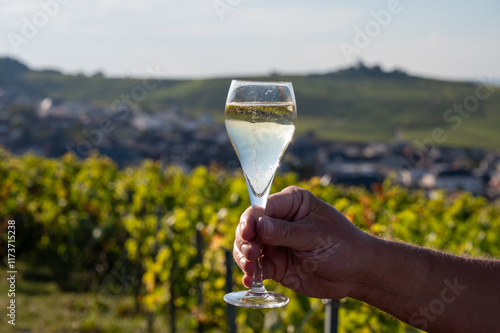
(482, 80)
(456, 41)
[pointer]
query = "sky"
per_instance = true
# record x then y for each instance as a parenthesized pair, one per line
(456, 40)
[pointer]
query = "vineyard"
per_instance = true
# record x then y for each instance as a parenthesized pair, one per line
(160, 235)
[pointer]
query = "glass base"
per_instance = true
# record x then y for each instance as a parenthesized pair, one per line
(250, 299)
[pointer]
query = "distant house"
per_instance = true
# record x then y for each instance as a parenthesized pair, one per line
(459, 180)
(366, 179)
(4, 128)
(491, 163)
(493, 189)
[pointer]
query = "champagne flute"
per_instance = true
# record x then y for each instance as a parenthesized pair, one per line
(260, 121)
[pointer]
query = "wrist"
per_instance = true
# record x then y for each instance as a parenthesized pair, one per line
(394, 276)
(367, 274)
(391, 265)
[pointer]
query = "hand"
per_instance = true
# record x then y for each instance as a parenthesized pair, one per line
(307, 245)
(311, 248)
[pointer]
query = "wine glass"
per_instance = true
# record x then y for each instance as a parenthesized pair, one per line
(260, 121)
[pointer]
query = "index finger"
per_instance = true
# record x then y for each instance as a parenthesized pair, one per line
(246, 237)
(247, 225)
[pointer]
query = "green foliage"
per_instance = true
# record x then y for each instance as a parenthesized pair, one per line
(80, 221)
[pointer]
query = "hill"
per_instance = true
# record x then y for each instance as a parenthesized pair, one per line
(354, 104)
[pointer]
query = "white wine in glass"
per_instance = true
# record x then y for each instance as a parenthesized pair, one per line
(260, 121)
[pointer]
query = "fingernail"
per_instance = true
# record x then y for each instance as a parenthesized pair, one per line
(245, 248)
(242, 263)
(268, 226)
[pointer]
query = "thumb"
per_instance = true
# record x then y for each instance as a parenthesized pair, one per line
(278, 232)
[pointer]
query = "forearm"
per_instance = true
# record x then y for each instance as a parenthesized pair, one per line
(431, 290)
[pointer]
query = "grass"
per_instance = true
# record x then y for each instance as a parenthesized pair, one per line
(42, 308)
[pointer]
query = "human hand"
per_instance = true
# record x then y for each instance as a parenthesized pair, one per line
(307, 245)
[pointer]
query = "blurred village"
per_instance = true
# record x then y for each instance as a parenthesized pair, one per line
(52, 128)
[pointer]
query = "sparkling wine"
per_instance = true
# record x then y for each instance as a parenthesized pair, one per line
(260, 121)
(260, 133)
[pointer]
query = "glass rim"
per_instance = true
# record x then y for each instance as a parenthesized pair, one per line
(261, 82)
(285, 89)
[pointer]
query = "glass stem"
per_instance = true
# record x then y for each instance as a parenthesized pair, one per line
(257, 284)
